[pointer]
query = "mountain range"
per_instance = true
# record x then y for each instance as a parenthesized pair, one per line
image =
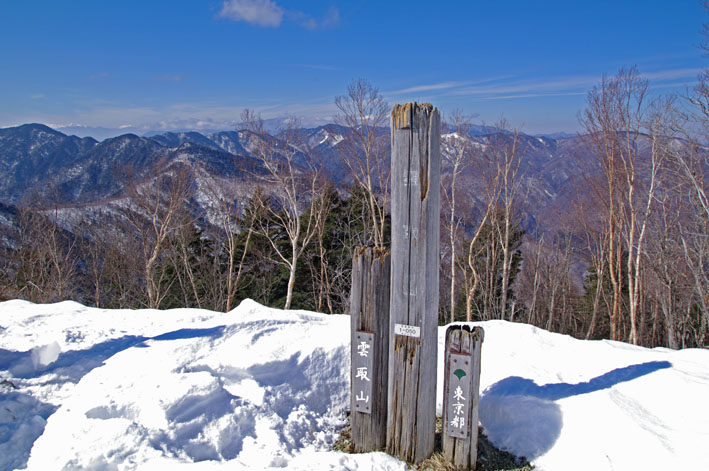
(39, 164)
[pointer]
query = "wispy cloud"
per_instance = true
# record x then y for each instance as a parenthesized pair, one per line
(673, 74)
(101, 75)
(168, 78)
(511, 87)
(430, 87)
(37, 96)
(331, 19)
(533, 95)
(449, 85)
(533, 86)
(269, 14)
(258, 12)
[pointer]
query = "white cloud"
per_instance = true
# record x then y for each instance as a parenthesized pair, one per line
(259, 12)
(267, 13)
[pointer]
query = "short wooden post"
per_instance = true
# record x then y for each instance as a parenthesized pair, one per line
(461, 396)
(415, 222)
(369, 318)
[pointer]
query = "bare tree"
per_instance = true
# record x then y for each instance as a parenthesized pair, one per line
(366, 152)
(456, 153)
(613, 122)
(589, 218)
(93, 250)
(530, 280)
(692, 162)
(185, 259)
(556, 267)
(46, 256)
(33, 267)
(61, 249)
(321, 207)
(292, 187)
(233, 222)
(640, 200)
(350, 218)
(504, 149)
(153, 216)
(487, 167)
(669, 283)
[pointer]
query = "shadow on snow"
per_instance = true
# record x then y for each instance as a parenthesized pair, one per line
(515, 385)
(521, 416)
(72, 365)
(22, 421)
(23, 418)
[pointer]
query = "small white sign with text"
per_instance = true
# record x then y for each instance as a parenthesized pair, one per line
(407, 330)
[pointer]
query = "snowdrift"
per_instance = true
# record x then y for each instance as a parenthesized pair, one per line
(261, 388)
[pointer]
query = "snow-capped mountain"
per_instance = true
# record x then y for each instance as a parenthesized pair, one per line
(41, 165)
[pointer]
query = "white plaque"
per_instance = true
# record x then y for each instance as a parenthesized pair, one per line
(407, 330)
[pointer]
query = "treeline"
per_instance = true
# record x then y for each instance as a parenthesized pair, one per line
(625, 258)
(152, 253)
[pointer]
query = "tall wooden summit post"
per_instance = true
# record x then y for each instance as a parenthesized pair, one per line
(415, 219)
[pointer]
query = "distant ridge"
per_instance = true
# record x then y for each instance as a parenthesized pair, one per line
(100, 133)
(557, 135)
(38, 160)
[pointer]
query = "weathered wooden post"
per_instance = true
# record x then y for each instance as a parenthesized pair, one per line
(369, 318)
(461, 395)
(415, 219)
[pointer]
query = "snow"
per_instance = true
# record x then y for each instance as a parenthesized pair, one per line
(261, 388)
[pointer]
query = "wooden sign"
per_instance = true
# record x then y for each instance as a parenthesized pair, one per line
(461, 385)
(369, 349)
(363, 371)
(459, 375)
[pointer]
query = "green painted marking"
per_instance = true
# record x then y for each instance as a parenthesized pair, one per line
(459, 373)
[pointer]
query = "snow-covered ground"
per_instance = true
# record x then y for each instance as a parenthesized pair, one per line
(260, 388)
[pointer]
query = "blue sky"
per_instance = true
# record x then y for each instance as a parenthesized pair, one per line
(157, 64)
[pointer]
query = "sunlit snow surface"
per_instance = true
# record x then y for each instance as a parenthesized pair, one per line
(260, 388)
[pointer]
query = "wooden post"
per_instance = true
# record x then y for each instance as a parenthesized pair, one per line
(415, 223)
(461, 395)
(369, 318)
